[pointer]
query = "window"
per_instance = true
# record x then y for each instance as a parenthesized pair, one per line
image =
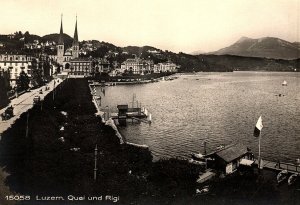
(10, 58)
(4, 63)
(16, 69)
(16, 63)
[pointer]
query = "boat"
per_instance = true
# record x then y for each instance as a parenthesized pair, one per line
(201, 157)
(220, 147)
(293, 178)
(198, 156)
(282, 176)
(284, 83)
(204, 190)
(196, 162)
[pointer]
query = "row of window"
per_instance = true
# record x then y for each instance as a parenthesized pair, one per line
(82, 66)
(15, 63)
(78, 69)
(78, 63)
(11, 58)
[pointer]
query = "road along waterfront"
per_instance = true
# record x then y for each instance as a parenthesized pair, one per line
(24, 102)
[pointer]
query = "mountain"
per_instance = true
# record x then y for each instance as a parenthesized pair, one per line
(297, 44)
(245, 54)
(197, 52)
(139, 50)
(267, 47)
(54, 37)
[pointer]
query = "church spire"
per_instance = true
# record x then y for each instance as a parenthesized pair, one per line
(75, 40)
(75, 47)
(61, 33)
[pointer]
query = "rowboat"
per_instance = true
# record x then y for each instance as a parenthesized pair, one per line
(283, 175)
(293, 178)
(198, 156)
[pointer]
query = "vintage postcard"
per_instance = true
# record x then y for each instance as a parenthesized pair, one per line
(145, 102)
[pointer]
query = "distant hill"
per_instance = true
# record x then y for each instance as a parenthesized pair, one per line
(197, 52)
(136, 50)
(267, 47)
(269, 54)
(54, 37)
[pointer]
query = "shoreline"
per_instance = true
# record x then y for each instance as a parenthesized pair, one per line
(110, 122)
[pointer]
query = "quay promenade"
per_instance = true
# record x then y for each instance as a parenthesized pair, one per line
(24, 102)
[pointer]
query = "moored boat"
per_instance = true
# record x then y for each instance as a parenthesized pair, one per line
(282, 176)
(196, 162)
(198, 156)
(293, 178)
(284, 83)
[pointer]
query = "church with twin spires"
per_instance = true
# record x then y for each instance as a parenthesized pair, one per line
(65, 56)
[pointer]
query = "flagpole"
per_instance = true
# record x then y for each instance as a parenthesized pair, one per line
(259, 158)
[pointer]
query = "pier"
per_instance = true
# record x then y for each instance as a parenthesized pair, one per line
(279, 166)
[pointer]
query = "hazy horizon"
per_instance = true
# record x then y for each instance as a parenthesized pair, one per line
(178, 26)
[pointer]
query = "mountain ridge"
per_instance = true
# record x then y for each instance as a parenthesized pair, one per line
(265, 47)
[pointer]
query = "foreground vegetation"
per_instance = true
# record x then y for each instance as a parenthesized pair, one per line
(44, 163)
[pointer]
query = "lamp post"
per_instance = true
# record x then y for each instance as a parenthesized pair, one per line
(95, 167)
(27, 123)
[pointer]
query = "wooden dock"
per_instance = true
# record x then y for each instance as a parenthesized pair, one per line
(279, 166)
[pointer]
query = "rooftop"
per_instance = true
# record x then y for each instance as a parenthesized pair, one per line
(233, 152)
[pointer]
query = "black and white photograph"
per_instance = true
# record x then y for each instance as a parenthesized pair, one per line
(150, 102)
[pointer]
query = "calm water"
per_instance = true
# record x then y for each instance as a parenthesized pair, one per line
(219, 108)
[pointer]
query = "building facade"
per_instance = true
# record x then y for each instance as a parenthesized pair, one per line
(15, 64)
(137, 66)
(80, 66)
(142, 67)
(165, 67)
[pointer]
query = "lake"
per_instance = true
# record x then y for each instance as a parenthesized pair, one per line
(219, 108)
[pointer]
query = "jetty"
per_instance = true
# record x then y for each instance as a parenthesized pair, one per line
(125, 113)
(279, 166)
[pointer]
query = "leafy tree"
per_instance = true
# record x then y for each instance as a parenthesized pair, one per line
(23, 82)
(4, 88)
(37, 73)
(46, 68)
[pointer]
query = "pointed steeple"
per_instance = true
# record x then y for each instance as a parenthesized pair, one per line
(75, 40)
(61, 33)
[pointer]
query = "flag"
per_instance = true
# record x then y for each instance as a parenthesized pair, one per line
(258, 127)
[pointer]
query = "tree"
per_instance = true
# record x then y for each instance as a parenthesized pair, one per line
(37, 73)
(4, 87)
(23, 82)
(46, 68)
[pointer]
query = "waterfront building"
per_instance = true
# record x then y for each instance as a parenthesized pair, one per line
(228, 159)
(140, 66)
(15, 64)
(80, 66)
(165, 67)
(137, 66)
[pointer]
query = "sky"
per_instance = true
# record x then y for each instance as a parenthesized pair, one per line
(175, 25)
